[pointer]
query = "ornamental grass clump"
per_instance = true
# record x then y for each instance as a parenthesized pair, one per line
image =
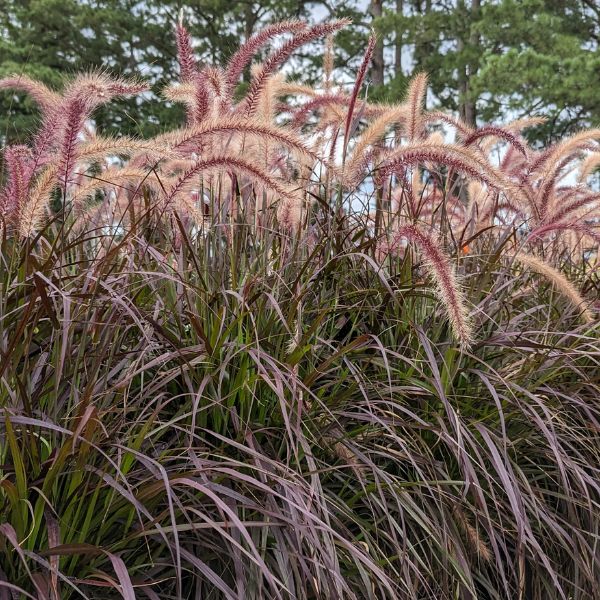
(304, 346)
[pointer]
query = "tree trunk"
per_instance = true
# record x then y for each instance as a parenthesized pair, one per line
(468, 103)
(376, 10)
(398, 42)
(473, 67)
(249, 24)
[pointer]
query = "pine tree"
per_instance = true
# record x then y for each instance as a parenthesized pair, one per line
(52, 39)
(498, 59)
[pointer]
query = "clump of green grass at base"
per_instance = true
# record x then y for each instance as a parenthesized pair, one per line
(247, 422)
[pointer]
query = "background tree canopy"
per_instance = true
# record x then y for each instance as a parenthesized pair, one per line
(496, 59)
(488, 60)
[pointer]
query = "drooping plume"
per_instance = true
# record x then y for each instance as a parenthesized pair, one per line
(563, 285)
(247, 51)
(44, 97)
(444, 277)
(278, 57)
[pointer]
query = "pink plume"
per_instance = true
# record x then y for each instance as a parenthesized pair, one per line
(185, 54)
(360, 76)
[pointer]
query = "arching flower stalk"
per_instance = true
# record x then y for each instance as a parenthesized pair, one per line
(563, 285)
(444, 277)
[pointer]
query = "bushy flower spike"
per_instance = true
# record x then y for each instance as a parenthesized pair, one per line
(232, 164)
(247, 51)
(18, 170)
(186, 140)
(188, 69)
(455, 156)
(360, 77)
(278, 57)
(44, 97)
(356, 165)
(415, 103)
(563, 285)
(444, 277)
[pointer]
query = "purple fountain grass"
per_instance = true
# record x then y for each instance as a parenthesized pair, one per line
(34, 209)
(67, 113)
(488, 212)
(247, 51)
(496, 132)
(588, 166)
(358, 83)
(301, 115)
(563, 285)
(201, 105)
(454, 156)
(188, 69)
(455, 122)
(215, 80)
(234, 164)
(111, 177)
(415, 103)
(555, 154)
(278, 57)
(219, 377)
(548, 183)
(181, 92)
(43, 96)
(201, 94)
(144, 151)
(290, 214)
(362, 151)
(76, 113)
(97, 87)
(444, 277)
(575, 225)
(197, 98)
(514, 163)
(328, 62)
(528, 180)
(570, 201)
(186, 139)
(548, 165)
(18, 170)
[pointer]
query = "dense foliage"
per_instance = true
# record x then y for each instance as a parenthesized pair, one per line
(303, 346)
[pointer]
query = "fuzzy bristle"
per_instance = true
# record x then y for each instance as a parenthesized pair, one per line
(415, 102)
(444, 277)
(563, 285)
